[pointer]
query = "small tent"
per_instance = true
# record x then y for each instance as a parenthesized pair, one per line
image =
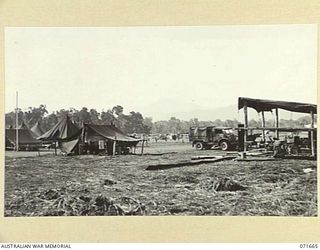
(37, 130)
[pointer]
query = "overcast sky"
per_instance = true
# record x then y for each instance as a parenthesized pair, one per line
(208, 66)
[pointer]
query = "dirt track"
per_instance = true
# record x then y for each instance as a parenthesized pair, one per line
(102, 185)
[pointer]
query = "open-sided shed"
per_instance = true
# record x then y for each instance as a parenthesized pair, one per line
(262, 105)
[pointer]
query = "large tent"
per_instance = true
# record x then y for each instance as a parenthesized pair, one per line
(108, 135)
(37, 130)
(25, 139)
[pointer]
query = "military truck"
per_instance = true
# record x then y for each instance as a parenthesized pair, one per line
(211, 136)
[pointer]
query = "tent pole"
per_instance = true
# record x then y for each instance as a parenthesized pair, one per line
(55, 148)
(263, 126)
(114, 146)
(142, 145)
(312, 134)
(81, 141)
(17, 123)
(277, 123)
(245, 109)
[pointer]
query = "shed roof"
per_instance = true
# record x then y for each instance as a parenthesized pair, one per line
(267, 105)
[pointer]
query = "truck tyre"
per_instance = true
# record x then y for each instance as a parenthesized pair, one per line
(199, 145)
(224, 145)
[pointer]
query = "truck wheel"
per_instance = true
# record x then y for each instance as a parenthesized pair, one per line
(199, 146)
(224, 145)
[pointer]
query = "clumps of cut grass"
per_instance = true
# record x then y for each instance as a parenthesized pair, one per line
(222, 184)
(62, 202)
(181, 179)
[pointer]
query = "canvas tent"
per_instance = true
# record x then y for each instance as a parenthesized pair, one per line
(37, 130)
(25, 139)
(101, 136)
(65, 133)
(64, 130)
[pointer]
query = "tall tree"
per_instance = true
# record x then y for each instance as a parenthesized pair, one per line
(34, 115)
(95, 116)
(84, 115)
(108, 118)
(117, 110)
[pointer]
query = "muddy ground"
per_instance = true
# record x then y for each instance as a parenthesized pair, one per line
(49, 185)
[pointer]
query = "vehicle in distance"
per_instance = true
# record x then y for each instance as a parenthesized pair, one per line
(211, 136)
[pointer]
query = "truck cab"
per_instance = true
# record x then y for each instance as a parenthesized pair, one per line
(211, 136)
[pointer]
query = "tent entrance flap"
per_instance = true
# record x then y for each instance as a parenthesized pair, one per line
(69, 146)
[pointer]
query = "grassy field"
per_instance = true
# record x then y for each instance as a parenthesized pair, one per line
(49, 185)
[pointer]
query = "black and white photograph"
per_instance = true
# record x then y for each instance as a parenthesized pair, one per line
(216, 120)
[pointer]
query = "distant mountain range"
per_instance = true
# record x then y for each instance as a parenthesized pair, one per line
(165, 109)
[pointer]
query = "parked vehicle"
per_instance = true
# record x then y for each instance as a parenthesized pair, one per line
(211, 136)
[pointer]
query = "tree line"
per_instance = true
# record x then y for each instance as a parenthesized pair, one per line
(133, 122)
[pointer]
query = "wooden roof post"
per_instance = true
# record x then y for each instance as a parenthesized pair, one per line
(263, 126)
(312, 134)
(277, 123)
(245, 109)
